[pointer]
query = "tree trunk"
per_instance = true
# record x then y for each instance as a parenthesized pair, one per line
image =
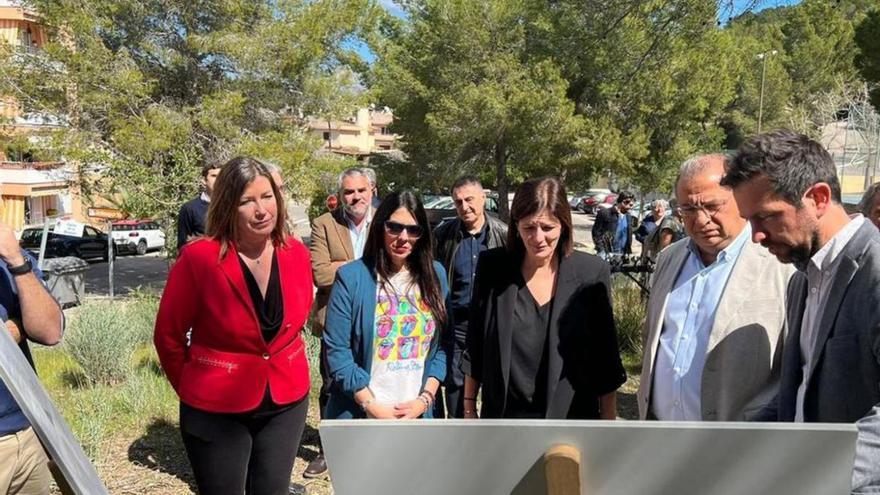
(329, 135)
(501, 179)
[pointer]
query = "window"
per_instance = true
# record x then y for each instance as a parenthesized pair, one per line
(326, 136)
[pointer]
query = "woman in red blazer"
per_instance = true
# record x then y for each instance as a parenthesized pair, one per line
(242, 293)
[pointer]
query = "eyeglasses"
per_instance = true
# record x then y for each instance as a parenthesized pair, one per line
(395, 229)
(710, 209)
(628, 202)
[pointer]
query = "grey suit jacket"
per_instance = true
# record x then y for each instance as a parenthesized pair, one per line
(844, 385)
(743, 358)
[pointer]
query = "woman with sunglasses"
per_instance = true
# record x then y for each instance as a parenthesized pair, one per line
(384, 319)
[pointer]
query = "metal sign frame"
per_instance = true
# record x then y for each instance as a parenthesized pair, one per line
(59, 442)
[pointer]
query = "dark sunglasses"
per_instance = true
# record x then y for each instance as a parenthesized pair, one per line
(394, 228)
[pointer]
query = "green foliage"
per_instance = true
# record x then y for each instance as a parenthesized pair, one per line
(867, 37)
(153, 89)
(104, 335)
(519, 88)
(629, 315)
(469, 94)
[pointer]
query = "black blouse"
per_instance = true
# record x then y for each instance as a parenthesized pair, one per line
(527, 388)
(270, 313)
(270, 310)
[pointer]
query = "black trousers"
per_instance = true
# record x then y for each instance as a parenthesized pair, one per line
(250, 453)
(453, 386)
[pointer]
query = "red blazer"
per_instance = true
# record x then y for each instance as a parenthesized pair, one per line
(227, 366)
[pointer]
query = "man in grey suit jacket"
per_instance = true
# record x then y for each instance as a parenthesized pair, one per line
(786, 185)
(715, 320)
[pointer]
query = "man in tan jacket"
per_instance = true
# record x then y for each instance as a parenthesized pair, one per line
(338, 237)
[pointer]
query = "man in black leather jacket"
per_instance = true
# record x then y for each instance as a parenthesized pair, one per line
(457, 245)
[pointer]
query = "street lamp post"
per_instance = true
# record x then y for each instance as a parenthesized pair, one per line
(763, 57)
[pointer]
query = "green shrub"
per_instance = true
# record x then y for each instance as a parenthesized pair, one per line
(142, 307)
(102, 339)
(629, 315)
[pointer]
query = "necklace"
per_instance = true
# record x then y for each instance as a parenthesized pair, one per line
(258, 260)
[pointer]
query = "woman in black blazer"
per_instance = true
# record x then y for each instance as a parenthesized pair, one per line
(541, 341)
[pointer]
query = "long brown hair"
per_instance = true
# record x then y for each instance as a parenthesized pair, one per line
(535, 196)
(420, 261)
(234, 177)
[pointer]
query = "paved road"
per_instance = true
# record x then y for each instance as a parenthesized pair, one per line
(149, 271)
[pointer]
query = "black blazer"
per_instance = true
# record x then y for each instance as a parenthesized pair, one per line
(845, 383)
(584, 361)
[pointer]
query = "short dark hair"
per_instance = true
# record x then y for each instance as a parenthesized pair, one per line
(208, 166)
(868, 198)
(792, 162)
(625, 195)
(535, 196)
(465, 180)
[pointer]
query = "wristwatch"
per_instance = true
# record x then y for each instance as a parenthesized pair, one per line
(20, 269)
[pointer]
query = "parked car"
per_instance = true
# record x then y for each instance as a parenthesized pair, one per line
(138, 236)
(92, 244)
(442, 208)
(591, 199)
(607, 202)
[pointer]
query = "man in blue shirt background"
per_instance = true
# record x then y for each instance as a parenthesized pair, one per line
(614, 227)
(30, 313)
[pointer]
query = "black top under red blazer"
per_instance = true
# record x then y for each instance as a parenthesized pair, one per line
(228, 365)
(583, 362)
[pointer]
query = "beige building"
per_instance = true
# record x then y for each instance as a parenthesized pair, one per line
(19, 30)
(367, 133)
(32, 191)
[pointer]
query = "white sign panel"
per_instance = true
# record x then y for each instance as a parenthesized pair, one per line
(69, 227)
(505, 457)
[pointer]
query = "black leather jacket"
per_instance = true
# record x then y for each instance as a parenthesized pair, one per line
(447, 237)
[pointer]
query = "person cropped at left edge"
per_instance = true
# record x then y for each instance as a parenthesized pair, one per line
(384, 320)
(30, 313)
(541, 341)
(245, 290)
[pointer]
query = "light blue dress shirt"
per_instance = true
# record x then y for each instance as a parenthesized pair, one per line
(359, 234)
(687, 323)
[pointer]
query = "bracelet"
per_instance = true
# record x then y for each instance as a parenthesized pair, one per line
(430, 394)
(424, 400)
(470, 398)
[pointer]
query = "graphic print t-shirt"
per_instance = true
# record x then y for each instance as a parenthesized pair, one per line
(404, 328)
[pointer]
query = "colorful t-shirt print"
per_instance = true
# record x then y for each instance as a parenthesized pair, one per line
(404, 329)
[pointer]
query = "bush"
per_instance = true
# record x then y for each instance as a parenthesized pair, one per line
(102, 339)
(143, 306)
(629, 315)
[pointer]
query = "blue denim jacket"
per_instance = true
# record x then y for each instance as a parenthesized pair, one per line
(348, 335)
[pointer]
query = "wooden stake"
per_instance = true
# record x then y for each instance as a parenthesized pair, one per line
(562, 470)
